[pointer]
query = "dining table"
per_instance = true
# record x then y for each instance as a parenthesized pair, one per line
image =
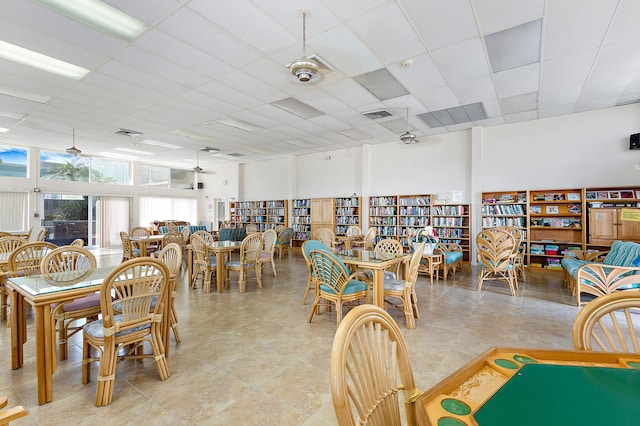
(43, 292)
(377, 263)
(144, 241)
(526, 387)
(348, 239)
(219, 250)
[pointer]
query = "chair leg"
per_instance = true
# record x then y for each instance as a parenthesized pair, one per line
(106, 375)
(306, 291)
(273, 266)
(174, 323)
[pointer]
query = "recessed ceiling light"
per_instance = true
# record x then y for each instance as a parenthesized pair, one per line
(3, 130)
(258, 150)
(27, 96)
(239, 124)
(194, 135)
(382, 84)
(298, 108)
(160, 144)
(33, 59)
(135, 151)
(514, 47)
(118, 156)
(100, 16)
(127, 132)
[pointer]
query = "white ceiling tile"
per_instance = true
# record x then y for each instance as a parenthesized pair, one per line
(229, 94)
(521, 116)
(497, 15)
(475, 90)
(625, 23)
(420, 76)
(517, 81)
(462, 61)
(433, 18)
(438, 98)
(616, 58)
(319, 19)
(321, 100)
(350, 92)
(592, 104)
(140, 77)
(556, 110)
(253, 86)
(610, 86)
(387, 33)
(142, 11)
(568, 68)
(560, 93)
(347, 10)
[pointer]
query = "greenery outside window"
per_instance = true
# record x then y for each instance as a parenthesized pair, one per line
(61, 166)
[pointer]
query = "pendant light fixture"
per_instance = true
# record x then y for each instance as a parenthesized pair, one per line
(73, 150)
(307, 67)
(408, 137)
(197, 168)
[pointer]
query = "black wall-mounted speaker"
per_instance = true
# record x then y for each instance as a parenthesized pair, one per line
(200, 185)
(634, 141)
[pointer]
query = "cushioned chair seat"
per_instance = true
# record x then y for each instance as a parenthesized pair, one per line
(236, 264)
(452, 256)
(354, 286)
(88, 301)
(388, 275)
(394, 284)
(571, 265)
(96, 329)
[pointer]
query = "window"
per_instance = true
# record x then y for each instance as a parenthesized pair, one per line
(13, 162)
(152, 208)
(14, 211)
(165, 177)
(62, 166)
(108, 170)
(182, 179)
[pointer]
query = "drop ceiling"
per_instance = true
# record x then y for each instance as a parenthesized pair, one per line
(212, 73)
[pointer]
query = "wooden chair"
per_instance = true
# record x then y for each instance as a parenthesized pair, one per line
(520, 249)
(269, 238)
(495, 249)
(202, 263)
(251, 228)
(609, 323)
(26, 259)
(171, 256)
(389, 246)
(370, 368)
(128, 252)
(129, 319)
(5, 234)
(8, 244)
(327, 237)
(367, 242)
(186, 233)
(452, 256)
(405, 290)
(62, 264)
(249, 252)
(279, 228)
(284, 241)
(7, 416)
(334, 283)
(140, 231)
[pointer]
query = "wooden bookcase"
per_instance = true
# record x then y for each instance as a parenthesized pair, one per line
(453, 225)
(607, 209)
(347, 213)
(265, 214)
(383, 216)
(414, 213)
(506, 208)
(556, 224)
(301, 220)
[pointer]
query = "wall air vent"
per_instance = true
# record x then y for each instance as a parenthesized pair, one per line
(126, 132)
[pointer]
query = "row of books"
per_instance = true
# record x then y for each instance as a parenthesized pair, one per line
(418, 201)
(450, 233)
(386, 230)
(301, 228)
(347, 220)
(556, 222)
(382, 211)
(346, 211)
(383, 201)
(416, 221)
(449, 210)
(448, 221)
(302, 236)
(302, 203)
(383, 220)
(347, 202)
(302, 219)
(275, 204)
(506, 209)
(301, 212)
(414, 211)
(492, 222)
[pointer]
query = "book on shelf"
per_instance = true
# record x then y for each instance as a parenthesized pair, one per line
(574, 208)
(626, 194)
(539, 197)
(551, 209)
(573, 196)
(535, 210)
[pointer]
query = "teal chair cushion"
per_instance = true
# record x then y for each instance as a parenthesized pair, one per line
(353, 286)
(232, 234)
(317, 245)
(571, 265)
(452, 256)
(622, 253)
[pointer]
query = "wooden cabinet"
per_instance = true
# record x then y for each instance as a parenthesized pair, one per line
(321, 214)
(607, 225)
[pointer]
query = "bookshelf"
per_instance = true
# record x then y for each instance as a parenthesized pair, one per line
(347, 213)
(453, 225)
(301, 220)
(606, 211)
(413, 213)
(383, 215)
(264, 214)
(506, 208)
(556, 224)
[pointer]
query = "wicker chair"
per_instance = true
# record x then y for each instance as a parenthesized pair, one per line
(452, 256)
(202, 262)
(496, 250)
(128, 252)
(171, 256)
(520, 249)
(26, 259)
(370, 367)
(7, 416)
(206, 236)
(327, 237)
(353, 231)
(335, 284)
(279, 228)
(405, 290)
(249, 253)
(62, 264)
(7, 244)
(42, 234)
(269, 238)
(251, 228)
(607, 324)
(78, 242)
(128, 321)
(186, 233)
(312, 284)
(367, 242)
(284, 241)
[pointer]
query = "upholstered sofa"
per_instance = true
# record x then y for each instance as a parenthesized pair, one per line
(597, 273)
(192, 228)
(232, 234)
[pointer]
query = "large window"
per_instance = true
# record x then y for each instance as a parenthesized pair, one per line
(165, 177)
(153, 208)
(13, 162)
(61, 166)
(14, 211)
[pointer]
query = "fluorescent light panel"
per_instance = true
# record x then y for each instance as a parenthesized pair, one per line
(160, 144)
(239, 124)
(3, 130)
(27, 96)
(298, 108)
(456, 115)
(514, 47)
(382, 84)
(135, 151)
(194, 135)
(37, 60)
(258, 150)
(355, 134)
(117, 156)
(100, 16)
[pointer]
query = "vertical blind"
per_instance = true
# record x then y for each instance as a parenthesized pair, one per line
(14, 211)
(154, 208)
(114, 215)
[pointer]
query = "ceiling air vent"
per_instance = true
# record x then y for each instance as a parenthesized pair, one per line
(378, 114)
(235, 154)
(126, 132)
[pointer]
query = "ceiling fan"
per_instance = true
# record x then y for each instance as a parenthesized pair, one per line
(307, 67)
(408, 137)
(197, 168)
(73, 150)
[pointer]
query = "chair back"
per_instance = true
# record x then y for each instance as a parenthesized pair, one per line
(129, 295)
(495, 249)
(173, 237)
(172, 227)
(199, 248)
(10, 243)
(326, 236)
(186, 232)
(67, 263)
(279, 228)
(171, 256)
(369, 239)
(370, 366)
(285, 236)
(250, 248)
(206, 236)
(388, 246)
(78, 242)
(251, 228)
(609, 323)
(269, 238)
(27, 258)
(353, 230)
(42, 234)
(329, 271)
(414, 265)
(139, 231)
(127, 247)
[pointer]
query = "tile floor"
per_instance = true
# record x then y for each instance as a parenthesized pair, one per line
(253, 359)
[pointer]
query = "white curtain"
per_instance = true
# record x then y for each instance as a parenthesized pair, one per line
(114, 215)
(14, 211)
(152, 208)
